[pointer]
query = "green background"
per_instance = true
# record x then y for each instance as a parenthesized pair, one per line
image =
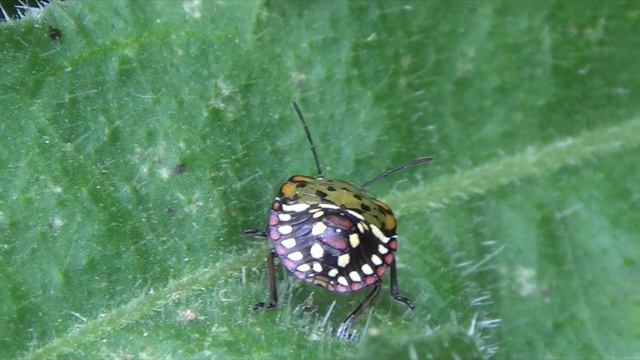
(138, 139)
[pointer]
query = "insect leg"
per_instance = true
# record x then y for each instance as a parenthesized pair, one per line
(343, 331)
(255, 232)
(273, 290)
(395, 291)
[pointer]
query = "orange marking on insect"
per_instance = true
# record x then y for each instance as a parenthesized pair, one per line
(298, 178)
(280, 250)
(276, 205)
(393, 244)
(273, 219)
(288, 189)
(390, 222)
(342, 288)
(369, 280)
(380, 271)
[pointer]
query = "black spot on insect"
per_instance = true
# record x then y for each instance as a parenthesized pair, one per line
(321, 193)
(302, 184)
(357, 196)
(54, 33)
(331, 188)
(181, 168)
(365, 207)
(359, 211)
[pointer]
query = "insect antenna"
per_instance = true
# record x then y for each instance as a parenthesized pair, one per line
(311, 143)
(386, 173)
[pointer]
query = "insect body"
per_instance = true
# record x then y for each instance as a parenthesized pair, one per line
(331, 234)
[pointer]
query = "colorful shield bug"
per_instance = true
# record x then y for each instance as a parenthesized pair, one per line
(331, 234)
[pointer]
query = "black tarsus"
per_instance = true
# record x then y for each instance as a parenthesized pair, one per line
(343, 330)
(311, 143)
(273, 290)
(395, 291)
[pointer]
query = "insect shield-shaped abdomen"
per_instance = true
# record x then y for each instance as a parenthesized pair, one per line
(331, 234)
(323, 235)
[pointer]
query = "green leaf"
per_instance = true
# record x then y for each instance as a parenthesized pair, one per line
(138, 140)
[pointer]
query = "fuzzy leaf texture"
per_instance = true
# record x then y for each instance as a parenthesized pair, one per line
(138, 140)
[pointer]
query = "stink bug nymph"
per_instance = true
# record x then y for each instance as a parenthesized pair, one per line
(332, 234)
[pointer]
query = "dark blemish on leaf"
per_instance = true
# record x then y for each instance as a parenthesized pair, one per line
(181, 168)
(171, 212)
(54, 33)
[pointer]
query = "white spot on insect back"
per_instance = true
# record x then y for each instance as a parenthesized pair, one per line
(366, 269)
(354, 240)
(379, 234)
(360, 227)
(329, 206)
(295, 207)
(285, 229)
(317, 251)
(318, 228)
(343, 260)
(295, 256)
(355, 276)
(375, 259)
(343, 281)
(303, 267)
(284, 217)
(355, 214)
(333, 272)
(318, 214)
(288, 243)
(382, 250)
(317, 267)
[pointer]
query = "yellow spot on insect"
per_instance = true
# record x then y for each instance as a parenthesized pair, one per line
(321, 281)
(343, 281)
(318, 228)
(295, 256)
(379, 234)
(317, 251)
(288, 189)
(343, 260)
(355, 276)
(354, 240)
(288, 243)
